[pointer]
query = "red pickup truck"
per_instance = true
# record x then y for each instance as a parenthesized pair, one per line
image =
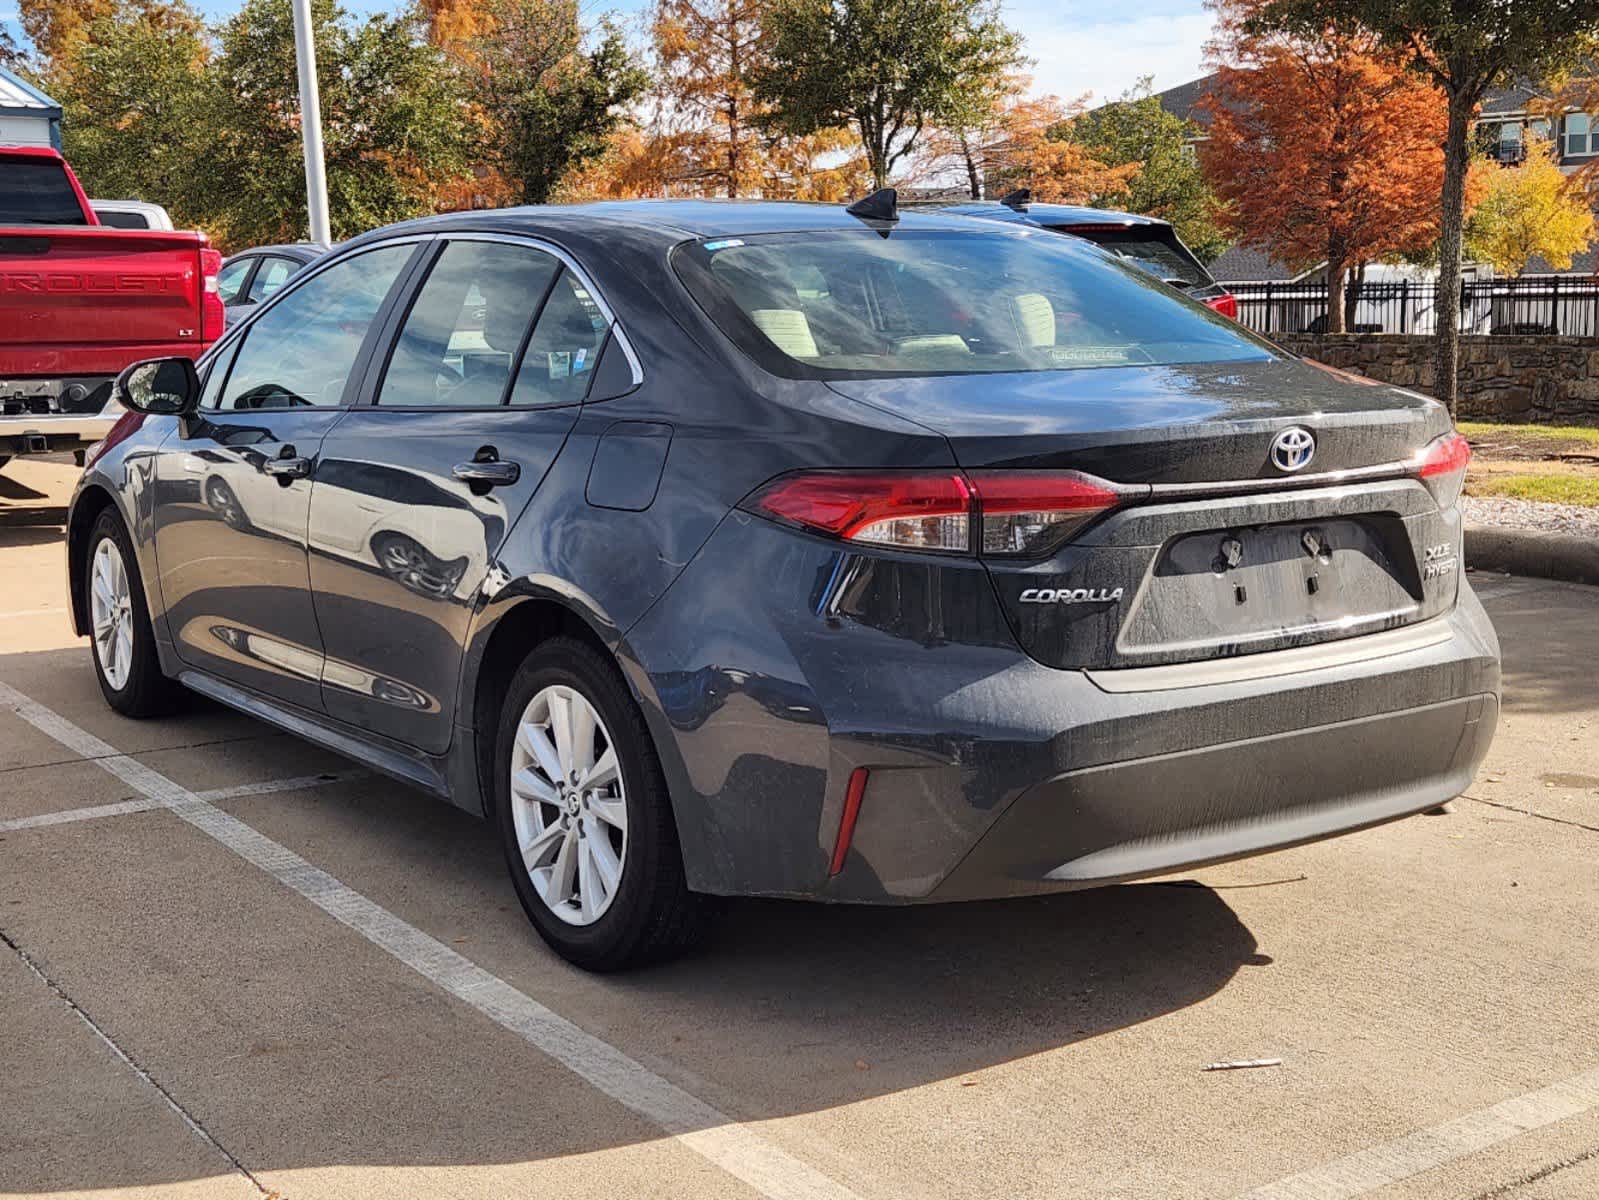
(79, 301)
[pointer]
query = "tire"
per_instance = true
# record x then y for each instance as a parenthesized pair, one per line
(648, 914)
(132, 683)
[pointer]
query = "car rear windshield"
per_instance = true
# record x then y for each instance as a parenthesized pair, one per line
(1153, 248)
(857, 304)
(37, 193)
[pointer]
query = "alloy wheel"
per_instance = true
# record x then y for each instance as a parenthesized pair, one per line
(568, 805)
(111, 613)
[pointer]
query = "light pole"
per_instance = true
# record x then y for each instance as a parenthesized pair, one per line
(316, 181)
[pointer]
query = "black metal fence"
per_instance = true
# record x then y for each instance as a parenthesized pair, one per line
(1566, 305)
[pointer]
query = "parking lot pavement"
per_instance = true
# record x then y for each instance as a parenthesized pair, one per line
(234, 965)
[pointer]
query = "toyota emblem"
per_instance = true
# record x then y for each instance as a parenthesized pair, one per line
(1293, 449)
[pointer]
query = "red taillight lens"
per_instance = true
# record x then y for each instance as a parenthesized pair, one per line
(1442, 467)
(1030, 513)
(1226, 304)
(911, 511)
(212, 314)
(1023, 513)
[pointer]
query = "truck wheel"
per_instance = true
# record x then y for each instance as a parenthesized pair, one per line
(585, 818)
(125, 661)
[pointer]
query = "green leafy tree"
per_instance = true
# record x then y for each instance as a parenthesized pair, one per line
(1466, 47)
(392, 122)
(553, 95)
(1169, 183)
(890, 69)
(132, 97)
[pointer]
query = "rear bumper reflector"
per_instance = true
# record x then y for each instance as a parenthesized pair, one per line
(846, 823)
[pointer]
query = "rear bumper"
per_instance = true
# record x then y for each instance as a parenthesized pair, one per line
(1148, 816)
(993, 775)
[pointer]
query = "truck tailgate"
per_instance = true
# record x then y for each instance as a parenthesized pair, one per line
(79, 299)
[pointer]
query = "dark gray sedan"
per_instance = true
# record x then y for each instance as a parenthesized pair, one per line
(775, 549)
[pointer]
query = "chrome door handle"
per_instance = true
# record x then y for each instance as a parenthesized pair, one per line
(287, 468)
(493, 473)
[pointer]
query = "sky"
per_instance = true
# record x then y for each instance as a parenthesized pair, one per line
(1077, 46)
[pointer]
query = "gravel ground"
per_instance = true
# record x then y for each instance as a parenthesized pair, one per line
(1507, 513)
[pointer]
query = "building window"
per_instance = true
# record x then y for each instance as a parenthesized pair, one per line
(1582, 135)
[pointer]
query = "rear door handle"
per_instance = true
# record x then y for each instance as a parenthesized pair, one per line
(492, 473)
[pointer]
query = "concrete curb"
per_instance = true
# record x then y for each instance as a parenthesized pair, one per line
(1562, 556)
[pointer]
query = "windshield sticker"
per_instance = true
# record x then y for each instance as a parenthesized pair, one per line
(724, 244)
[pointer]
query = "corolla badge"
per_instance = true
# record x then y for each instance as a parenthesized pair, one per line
(1070, 596)
(1293, 448)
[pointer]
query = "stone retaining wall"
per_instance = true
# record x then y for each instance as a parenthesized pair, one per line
(1551, 379)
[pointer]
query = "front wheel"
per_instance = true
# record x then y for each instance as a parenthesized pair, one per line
(585, 817)
(125, 659)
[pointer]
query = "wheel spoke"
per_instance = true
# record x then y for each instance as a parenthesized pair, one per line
(561, 727)
(563, 870)
(102, 593)
(537, 743)
(542, 845)
(529, 785)
(607, 866)
(602, 773)
(582, 733)
(610, 809)
(589, 899)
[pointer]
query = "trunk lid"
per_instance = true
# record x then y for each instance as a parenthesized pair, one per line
(1221, 551)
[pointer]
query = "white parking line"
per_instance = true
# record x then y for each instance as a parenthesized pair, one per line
(736, 1148)
(1367, 1170)
(122, 807)
(32, 612)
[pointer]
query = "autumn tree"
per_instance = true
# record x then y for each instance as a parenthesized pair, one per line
(1323, 147)
(1531, 209)
(889, 69)
(1465, 48)
(133, 96)
(1168, 183)
(554, 93)
(707, 55)
(391, 123)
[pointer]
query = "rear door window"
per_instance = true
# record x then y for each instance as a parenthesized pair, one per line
(271, 275)
(230, 283)
(564, 348)
(460, 341)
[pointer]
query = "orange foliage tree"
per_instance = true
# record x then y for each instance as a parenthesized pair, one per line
(1322, 148)
(1017, 140)
(706, 54)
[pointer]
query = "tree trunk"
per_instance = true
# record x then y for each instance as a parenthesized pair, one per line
(972, 179)
(1352, 290)
(1337, 279)
(1446, 355)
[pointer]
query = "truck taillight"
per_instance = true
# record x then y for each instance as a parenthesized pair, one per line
(212, 314)
(1024, 514)
(1226, 304)
(1441, 465)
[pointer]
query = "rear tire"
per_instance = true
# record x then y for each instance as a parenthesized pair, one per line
(122, 640)
(618, 898)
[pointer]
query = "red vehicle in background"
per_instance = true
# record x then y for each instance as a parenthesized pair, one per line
(79, 301)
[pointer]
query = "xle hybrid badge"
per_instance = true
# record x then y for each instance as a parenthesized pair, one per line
(1293, 448)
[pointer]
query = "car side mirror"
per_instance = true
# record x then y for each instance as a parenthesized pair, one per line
(162, 387)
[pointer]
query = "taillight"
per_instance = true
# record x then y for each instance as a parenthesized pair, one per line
(1016, 513)
(1441, 465)
(908, 511)
(1029, 513)
(1226, 304)
(212, 314)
